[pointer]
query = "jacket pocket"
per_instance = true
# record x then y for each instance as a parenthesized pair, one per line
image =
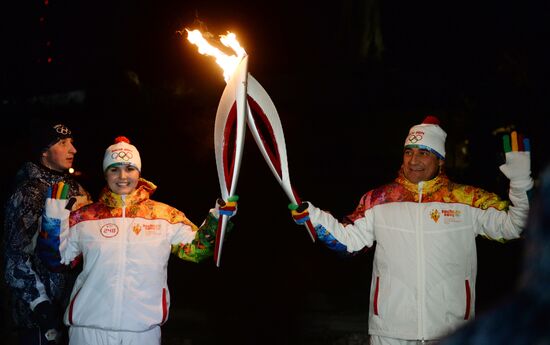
(468, 299)
(71, 308)
(375, 298)
(164, 306)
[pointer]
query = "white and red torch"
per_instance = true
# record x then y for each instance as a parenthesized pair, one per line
(244, 100)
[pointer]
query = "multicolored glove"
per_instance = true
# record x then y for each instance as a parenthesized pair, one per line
(300, 213)
(518, 161)
(54, 218)
(227, 208)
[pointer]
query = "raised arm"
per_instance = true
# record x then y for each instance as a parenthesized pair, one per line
(508, 223)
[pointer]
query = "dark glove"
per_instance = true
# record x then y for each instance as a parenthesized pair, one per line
(300, 213)
(48, 319)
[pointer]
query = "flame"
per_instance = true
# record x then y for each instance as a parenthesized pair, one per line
(228, 63)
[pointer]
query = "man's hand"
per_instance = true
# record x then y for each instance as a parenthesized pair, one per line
(55, 216)
(227, 208)
(57, 206)
(48, 319)
(300, 213)
(518, 161)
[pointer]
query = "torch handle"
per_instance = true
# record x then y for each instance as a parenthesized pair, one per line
(296, 199)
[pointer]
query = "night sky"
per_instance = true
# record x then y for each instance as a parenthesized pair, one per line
(348, 79)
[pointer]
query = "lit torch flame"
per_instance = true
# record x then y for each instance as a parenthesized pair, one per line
(228, 63)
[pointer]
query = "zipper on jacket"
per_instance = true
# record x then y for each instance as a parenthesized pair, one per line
(121, 264)
(420, 263)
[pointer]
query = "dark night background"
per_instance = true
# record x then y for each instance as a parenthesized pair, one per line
(348, 79)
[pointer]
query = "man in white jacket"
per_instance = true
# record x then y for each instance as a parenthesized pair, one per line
(425, 226)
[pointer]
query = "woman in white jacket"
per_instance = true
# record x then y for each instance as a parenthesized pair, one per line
(425, 226)
(125, 239)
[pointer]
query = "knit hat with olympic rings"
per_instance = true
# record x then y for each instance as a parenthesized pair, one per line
(427, 135)
(121, 152)
(46, 134)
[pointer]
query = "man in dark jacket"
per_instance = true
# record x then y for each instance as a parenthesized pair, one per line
(38, 294)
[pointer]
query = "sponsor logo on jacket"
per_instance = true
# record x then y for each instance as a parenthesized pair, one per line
(136, 229)
(448, 216)
(434, 214)
(109, 230)
(149, 229)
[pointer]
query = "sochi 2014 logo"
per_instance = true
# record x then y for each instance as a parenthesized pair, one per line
(434, 214)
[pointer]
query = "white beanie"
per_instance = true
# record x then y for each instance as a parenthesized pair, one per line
(121, 152)
(427, 135)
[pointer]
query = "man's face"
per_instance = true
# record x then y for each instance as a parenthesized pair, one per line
(420, 164)
(60, 156)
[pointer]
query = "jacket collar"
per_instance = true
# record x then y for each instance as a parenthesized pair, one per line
(429, 186)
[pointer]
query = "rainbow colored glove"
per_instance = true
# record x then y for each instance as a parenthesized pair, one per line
(54, 218)
(518, 161)
(227, 208)
(300, 213)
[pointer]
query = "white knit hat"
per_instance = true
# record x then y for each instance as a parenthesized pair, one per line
(121, 152)
(427, 135)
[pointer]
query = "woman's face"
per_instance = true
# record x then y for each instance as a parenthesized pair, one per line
(122, 179)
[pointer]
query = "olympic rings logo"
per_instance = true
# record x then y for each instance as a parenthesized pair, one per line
(122, 155)
(60, 129)
(414, 138)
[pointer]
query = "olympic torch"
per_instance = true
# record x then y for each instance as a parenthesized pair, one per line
(229, 141)
(244, 99)
(229, 126)
(262, 114)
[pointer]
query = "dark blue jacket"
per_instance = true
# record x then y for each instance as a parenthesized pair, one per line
(28, 280)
